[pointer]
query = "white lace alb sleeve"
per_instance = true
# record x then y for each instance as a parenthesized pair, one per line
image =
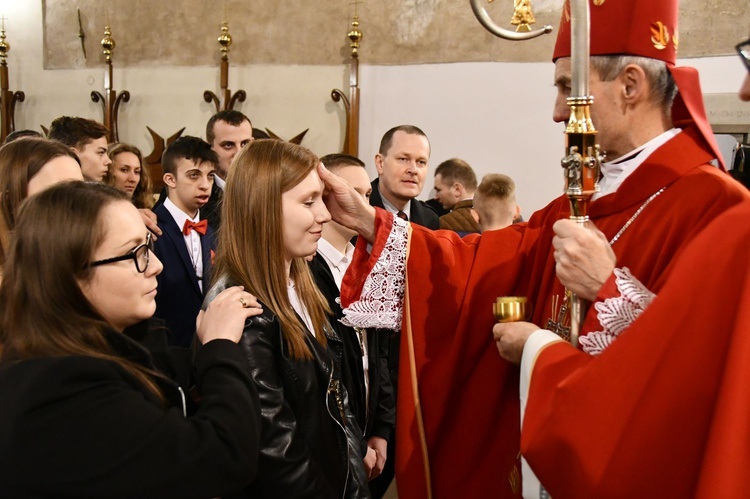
(381, 303)
(618, 313)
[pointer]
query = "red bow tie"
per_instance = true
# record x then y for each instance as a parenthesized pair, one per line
(199, 227)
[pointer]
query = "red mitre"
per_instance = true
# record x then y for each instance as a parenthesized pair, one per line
(646, 28)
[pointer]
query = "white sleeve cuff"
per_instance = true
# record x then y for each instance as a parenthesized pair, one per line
(538, 340)
(534, 344)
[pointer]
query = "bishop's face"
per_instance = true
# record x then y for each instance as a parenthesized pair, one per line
(606, 111)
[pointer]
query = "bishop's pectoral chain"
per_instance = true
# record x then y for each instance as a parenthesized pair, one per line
(559, 326)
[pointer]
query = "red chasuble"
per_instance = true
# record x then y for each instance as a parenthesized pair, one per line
(665, 410)
(458, 408)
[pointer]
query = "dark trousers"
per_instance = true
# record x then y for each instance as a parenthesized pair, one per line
(379, 486)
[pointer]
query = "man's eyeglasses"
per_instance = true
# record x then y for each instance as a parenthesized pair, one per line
(139, 255)
(744, 50)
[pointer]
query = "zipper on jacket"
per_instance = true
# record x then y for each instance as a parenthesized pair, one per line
(334, 386)
(184, 403)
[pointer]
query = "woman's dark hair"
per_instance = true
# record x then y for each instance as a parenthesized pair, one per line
(43, 312)
(20, 160)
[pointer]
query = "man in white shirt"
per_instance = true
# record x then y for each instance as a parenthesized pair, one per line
(188, 242)
(365, 364)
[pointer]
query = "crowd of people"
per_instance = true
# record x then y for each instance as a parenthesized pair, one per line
(275, 324)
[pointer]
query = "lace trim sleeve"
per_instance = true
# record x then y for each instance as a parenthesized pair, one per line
(381, 303)
(618, 313)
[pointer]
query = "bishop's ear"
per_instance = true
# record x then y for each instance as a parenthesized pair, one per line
(635, 82)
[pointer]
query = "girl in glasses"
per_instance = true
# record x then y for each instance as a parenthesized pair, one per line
(85, 411)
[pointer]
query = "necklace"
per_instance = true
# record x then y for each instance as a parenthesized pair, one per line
(635, 215)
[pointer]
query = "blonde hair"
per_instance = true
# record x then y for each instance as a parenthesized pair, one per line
(251, 242)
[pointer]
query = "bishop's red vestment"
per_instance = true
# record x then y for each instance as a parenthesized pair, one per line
(664, 410)
(458, 408)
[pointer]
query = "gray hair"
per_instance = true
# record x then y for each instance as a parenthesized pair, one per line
(663, 86)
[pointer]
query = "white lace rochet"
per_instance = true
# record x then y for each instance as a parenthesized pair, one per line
(381, 303)
(618, 313)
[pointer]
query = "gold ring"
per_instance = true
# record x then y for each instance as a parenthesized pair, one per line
(242, 300)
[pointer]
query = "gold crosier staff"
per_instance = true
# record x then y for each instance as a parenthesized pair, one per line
(582, 161)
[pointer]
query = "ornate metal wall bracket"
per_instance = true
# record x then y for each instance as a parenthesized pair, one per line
(351, 104)
(110, 100)
(8, 99)
(228, 99)
(485, 20)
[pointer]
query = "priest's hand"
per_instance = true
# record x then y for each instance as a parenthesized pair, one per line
(347, 206)
(511, 337)
(584, 258)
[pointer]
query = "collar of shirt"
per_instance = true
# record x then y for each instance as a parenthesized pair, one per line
(299, 307)
(337, 262)
(220, 182)
(615, 172)
(179, 215)
(389, 207)
(192, 240)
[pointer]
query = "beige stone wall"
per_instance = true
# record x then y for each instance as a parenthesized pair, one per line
(396, 32)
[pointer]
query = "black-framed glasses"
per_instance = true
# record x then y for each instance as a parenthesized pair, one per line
(744, 50)
(139, 255)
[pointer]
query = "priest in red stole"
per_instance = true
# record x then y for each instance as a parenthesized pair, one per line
(458, 401)
(662, 411)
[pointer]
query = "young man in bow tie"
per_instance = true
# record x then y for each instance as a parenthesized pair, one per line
(188, 242)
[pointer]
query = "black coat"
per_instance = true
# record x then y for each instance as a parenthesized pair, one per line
(420, 212)
(310, 443)
(382, 404)
(179, 297)
(78, 426)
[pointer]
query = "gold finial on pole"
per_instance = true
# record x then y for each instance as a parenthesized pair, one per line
(108, 43)
(225, 39)
(355, 35)
(351, 103)
(227, 100)
(110, 99)
(4, 46)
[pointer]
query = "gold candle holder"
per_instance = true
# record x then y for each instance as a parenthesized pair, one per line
(511, 309)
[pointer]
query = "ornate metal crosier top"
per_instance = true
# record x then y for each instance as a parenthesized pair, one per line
(523, 18)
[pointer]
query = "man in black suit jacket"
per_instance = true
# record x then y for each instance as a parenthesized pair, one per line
(228, 132)
(186, 245)
(402, 162)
